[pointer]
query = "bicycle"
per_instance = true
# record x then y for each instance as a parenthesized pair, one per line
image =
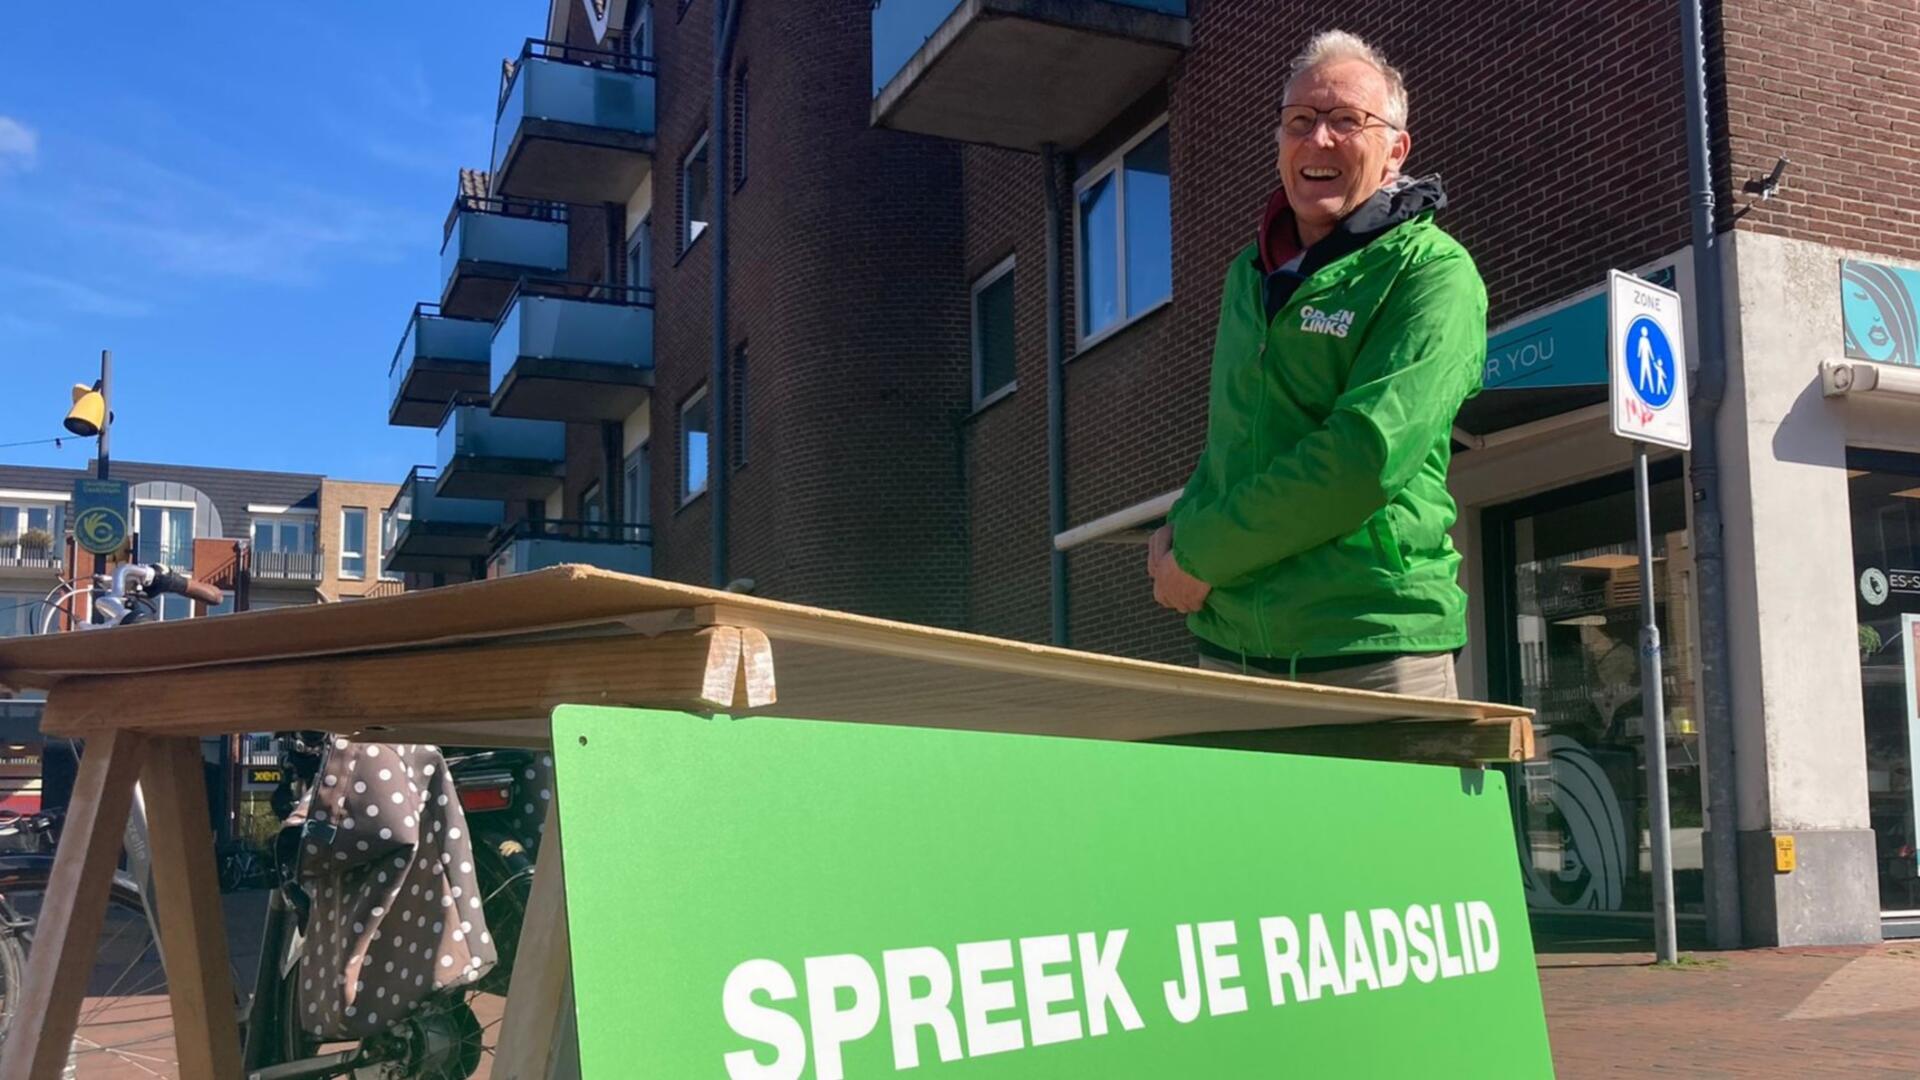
(439, 1039)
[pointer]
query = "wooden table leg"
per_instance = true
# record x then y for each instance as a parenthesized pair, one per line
(540, 997)
(75, 908)
(193, 933)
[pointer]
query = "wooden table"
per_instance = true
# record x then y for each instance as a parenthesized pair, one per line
(484, 664)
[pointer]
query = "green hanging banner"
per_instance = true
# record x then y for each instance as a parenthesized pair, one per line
(763, 899)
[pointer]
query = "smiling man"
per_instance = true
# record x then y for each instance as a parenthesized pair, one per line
(1311, 541)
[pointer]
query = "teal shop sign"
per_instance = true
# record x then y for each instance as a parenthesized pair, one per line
(762, 899)
(100, 515)
(1877, 309)
(1567, 347)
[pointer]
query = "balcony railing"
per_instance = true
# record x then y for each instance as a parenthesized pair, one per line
(484, 456)
(28, 553)
(534, 545)
(571, 350)
(427, 532)
(491, 242)
(573, 123)
(287, 565)
(438, 358)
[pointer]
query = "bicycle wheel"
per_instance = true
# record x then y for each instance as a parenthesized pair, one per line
(13, 967)
(126, 1021)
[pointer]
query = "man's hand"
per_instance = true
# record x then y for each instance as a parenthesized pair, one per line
(1173, 587)
(1158, 545)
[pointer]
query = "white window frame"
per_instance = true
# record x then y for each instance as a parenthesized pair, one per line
(640, 242)
(292, 517)
(980, 285)
(1110, 166)
(687, 234)
(680, 434)
(193, 533)
(344, 554)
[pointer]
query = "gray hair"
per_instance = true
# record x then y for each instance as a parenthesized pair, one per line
(1331, 45)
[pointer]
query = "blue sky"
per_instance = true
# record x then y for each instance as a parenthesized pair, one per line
(242, 201)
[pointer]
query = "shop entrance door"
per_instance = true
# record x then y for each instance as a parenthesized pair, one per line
(1564, 614)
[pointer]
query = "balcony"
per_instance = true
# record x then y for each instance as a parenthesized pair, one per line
(573, 351)
(536, 545)
(574, 124)
(1019, 73)
(439, 359)
(430, 533)
(292, 566)
(491, 243)
(483, 456)
(31, 553)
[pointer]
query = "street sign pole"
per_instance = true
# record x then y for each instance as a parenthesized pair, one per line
(1647, 375)
(1654, 726)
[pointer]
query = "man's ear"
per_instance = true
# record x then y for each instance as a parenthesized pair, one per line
(1397, 151)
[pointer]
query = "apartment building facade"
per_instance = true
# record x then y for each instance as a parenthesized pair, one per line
(972, 264)
(267, 539)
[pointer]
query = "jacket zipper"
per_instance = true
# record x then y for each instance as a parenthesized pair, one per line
(1264, 599)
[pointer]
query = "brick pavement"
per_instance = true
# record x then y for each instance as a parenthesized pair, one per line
(1758, 1015)
(1785, 1013)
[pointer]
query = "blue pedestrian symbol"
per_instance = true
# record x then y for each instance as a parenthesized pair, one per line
(1650, 369)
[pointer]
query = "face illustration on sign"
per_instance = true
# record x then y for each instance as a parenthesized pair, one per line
(1873, 586)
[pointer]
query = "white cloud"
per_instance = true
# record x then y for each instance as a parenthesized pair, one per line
(19, 146)
(74, 296)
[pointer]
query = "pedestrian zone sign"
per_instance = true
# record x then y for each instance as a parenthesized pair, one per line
(1646, 354)
(752, 898)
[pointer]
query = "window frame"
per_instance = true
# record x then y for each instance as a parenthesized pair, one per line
(687, 236)
(1003, 268)
(640, 244)
(1112, 165)
(636, 479)
(684, 496)
(346, 552)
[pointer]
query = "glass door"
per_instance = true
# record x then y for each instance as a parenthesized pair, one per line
(1565, 613)
(166, 536)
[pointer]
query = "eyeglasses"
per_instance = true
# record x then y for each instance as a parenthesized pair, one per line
(1344, 121)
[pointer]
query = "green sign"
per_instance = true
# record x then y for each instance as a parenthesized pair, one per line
(100, 515)
(764, 899)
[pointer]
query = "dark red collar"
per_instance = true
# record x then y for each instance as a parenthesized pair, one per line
(1279, 239)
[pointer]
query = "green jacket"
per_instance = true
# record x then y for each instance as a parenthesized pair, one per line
(1319, 509)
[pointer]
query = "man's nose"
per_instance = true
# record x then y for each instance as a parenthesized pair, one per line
(1322, 134)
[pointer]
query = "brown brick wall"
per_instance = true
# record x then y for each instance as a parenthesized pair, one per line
(846, 287)
(334, 496)
(1835, 87)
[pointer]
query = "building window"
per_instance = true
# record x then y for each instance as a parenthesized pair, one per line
(739, 144)
(30, 535)
(737, 414)
(386, 531)
(695, 181)
(20, 614)
(640, 255)
(353, 542)
(635, 481)
(1123, 229)
(693, 447)
(640, 35)
(993, 334)
(1564, 624)
(289, 535)
(166, 536)
(593, 507)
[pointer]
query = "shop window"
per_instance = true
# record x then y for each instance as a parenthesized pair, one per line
(1884, 498)
(1564, 641)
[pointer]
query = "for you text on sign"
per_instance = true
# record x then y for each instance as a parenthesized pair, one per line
(1646, 358)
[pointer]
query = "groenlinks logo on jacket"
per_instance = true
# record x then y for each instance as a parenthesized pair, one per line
(1315, 321)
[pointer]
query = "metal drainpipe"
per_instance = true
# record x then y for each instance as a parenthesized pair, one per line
(1723, 852)
(1056, 392)
(726, 19)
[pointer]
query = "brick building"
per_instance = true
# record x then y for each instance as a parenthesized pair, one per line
(267, 539)
(901, 176)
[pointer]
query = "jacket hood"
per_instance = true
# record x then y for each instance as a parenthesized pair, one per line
(1400, 201)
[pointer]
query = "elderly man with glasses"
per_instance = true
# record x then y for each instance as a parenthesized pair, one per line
(1311, 542)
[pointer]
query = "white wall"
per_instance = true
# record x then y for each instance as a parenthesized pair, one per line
(1800, 743)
